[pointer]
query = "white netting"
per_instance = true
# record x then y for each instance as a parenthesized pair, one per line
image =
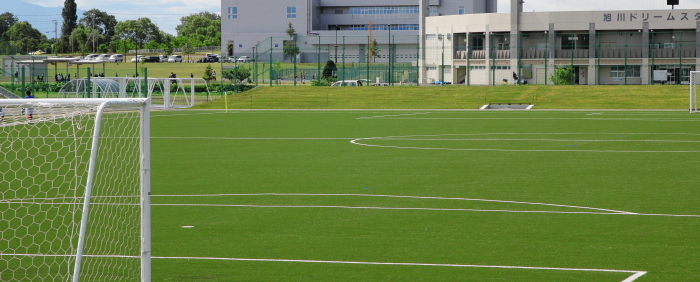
(694, 82)
(43, 174)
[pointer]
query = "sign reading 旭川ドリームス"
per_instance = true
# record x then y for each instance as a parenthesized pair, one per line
(651, 16)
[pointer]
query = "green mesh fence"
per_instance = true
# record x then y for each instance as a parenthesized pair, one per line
(627, 57)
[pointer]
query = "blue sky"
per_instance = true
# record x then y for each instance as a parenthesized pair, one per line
(167, 13)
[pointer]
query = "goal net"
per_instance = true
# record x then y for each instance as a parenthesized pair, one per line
(694, 82)
(74, 186)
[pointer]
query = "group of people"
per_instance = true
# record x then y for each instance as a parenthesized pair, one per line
(60, 78)
(303, 78)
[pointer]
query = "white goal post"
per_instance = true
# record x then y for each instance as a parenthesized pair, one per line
(694, 82)
(75, 190)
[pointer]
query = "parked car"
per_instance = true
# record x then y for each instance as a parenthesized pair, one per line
(150, 59)
(347, 83)
(137, 58)
(91, 57)
(209, 58)
(175, 59)
(245, 59)
(103, 57)
(116, 58)
(163, 58)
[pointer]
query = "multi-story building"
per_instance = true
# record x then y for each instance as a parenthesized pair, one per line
(602, 47)
(321, 25)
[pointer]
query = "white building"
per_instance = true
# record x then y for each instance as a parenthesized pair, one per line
(604, 47)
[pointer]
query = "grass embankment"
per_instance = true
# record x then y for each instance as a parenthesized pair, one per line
(459, 97)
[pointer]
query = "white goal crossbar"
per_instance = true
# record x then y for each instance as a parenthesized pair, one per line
(76, 190)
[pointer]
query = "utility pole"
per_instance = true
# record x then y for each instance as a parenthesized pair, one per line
(93, 33)
(55, 36)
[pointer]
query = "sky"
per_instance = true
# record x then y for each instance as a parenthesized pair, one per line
(167, 13)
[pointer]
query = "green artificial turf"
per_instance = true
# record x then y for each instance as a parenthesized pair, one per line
(458, 97)
(290, 185)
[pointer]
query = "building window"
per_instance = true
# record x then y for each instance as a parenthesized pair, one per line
(291, 12)
(383, 10)
(460, 11)
(232, 12)
(619, 71)
(432, 9)
(376, 27)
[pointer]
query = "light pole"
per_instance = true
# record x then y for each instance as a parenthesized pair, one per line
(390, 56)
(335, 57)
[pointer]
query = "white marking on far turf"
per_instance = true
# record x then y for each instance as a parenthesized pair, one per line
(599, 211)
(361, 142)
(398, 196)
(635, 273)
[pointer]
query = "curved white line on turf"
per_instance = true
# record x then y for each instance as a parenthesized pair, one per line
(400, 196)
(407, 137)
(601, 211)
(635, 273)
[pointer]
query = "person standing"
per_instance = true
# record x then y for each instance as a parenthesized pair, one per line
(29, 111)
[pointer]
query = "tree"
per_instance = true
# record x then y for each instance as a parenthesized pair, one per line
(102, 22)
(208, 73)
(329, 71)
(24, 36)
(82, 38)
(290, 47)
(237, 75)
(70, 17)
(374, 51)
(140, 31)
(563, 76)
(205, 24)
(7, 19)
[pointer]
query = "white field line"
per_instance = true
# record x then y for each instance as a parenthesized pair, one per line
(534, 118)
(551, 140)
(399, 115)
(599, 210)
(71, 255)
(32, 201)
(398, 196)
(254, 138)
(635, 273)
(357, 142)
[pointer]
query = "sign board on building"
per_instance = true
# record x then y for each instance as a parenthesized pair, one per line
(660, 75)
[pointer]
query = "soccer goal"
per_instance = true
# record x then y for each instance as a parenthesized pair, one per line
(694, 82)
(74, 190)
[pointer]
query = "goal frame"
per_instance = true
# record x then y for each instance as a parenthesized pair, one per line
(144, 172)
(693, 99)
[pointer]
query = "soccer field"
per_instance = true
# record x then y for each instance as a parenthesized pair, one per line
(425, 196)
